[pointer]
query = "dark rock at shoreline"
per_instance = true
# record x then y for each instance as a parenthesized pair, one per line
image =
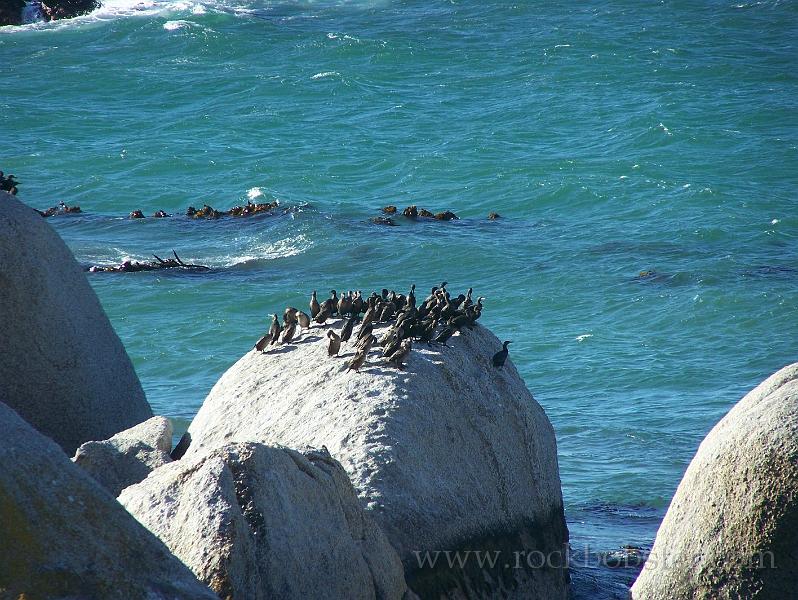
(11, 12)
(411, 212)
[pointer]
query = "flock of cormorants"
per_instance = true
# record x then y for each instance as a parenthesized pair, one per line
(437, 318)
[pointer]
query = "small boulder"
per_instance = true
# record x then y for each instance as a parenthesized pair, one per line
(64, 536)
(259, 522)
(732, 527)
(129, 456)
(63, 368)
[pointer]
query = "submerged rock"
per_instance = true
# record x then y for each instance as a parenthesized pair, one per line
(64, 536)
(259, 522)
(450, 454)
(732, 527)
(129, 456)
(67, 9)
(63, 368)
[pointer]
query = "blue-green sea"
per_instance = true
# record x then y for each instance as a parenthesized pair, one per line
(612, 137)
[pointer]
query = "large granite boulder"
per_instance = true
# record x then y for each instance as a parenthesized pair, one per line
(259, 522)
(64, 536)
(129, 456)
(732, 527)
(449, 455)
(63, 368)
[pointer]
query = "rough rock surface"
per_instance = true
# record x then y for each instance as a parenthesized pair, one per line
(259, 522)
(129, 456)
(63, 368)
(64, 536)
(732, 527)
(448, 454)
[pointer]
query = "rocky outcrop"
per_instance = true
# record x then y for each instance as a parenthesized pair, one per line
(129, 456)
(18, 12)
(259, 522)
(64, 536)
(732, 527)
(11, 13)
(63, 368)
(448, 455)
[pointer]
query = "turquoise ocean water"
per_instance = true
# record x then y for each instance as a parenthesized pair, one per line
(613, 137)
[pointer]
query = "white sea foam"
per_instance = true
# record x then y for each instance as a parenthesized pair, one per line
(270, 251)
(114, 9)
(583, 337)
(175, 25)
(325, 74)
(775, 221)
(254, 192)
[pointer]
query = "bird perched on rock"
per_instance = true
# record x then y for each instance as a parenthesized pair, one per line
(261, 343)
(304, 319)
(315, 307)
(275, 330)
(288, 332)
(271, 336)
(335, 343)
(357, 361)
(346, 332)
(365, 330)
(323, 315)
(444, 335)
(501, 356)
(398, 357)
(364, 344)
(344, 305)
(289, 316)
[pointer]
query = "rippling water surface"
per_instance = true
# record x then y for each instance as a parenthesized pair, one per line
(613, 138)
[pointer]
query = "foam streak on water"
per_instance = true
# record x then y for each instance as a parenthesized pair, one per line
(613, 139)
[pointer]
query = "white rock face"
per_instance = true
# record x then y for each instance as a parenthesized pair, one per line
(129, 456)
(63, 536)
(257, 522)
(732, 527)
(63, 368)
(449, 454)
